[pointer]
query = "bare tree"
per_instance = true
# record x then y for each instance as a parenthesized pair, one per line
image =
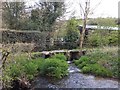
(85, 17)
(86, 11)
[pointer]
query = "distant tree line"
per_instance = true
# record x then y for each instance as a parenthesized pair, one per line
(109, 21)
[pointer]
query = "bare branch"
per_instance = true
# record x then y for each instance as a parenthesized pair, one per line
(82, 10)
(96, 6)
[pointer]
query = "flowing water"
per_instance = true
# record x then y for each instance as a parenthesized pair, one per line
(75, 79)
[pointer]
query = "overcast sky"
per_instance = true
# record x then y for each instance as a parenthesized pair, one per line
(102, 8)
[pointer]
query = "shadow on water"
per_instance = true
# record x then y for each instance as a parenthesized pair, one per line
(75, 79)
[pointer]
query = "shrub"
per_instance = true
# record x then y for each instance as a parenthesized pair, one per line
(103, 38)
(82, 65)
(21, 67)
(97, 69)
(77, 62)
(15, 70)
(30, 69)
(86, 69)
(38, 62)
(60, 56)
(54, 68)
(94, 40)
(113, 38)
(102, 71)
(84, 58)
(107, 58)
(99, 63)
(72, 34)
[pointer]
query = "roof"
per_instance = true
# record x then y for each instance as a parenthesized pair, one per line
(93, 27)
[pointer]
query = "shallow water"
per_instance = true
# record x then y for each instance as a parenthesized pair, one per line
(75, 79)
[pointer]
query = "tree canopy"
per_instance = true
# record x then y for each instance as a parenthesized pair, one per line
(42, 17)
(12, 13)
(46, 14)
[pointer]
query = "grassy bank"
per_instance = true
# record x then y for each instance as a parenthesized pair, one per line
(100, 62)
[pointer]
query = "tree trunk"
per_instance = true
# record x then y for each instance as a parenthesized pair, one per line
(84, 25)
(83, 32)
(82, 37)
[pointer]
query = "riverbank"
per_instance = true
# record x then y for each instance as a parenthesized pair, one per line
(75, 79)
(32, 70)
(101, 62)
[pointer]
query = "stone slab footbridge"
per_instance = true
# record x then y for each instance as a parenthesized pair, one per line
(70, 54)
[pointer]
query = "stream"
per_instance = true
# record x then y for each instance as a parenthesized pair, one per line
(75, 79)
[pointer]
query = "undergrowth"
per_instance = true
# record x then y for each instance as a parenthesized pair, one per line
(54, 67)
